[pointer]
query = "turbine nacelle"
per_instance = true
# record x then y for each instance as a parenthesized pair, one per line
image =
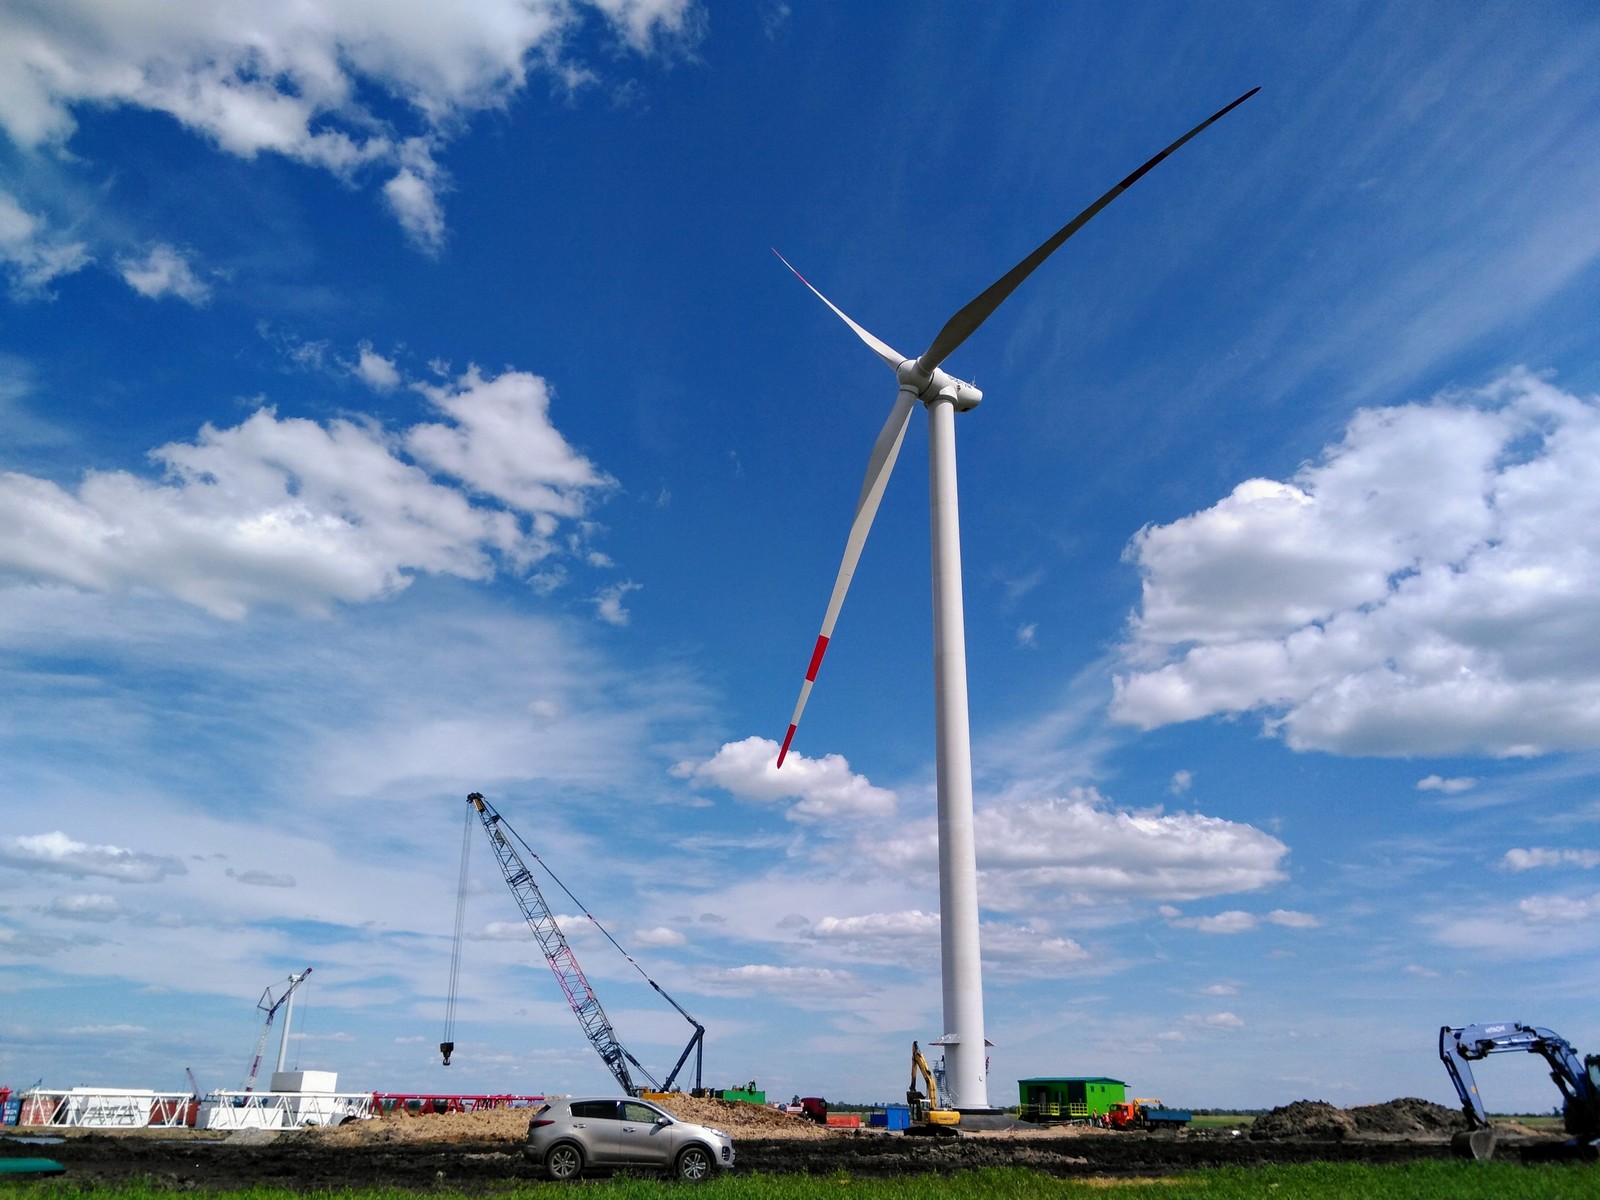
(938, 385)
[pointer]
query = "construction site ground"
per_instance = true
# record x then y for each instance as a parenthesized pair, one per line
(482, 1151)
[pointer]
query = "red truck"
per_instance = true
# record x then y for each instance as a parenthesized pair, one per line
(1146, 1114)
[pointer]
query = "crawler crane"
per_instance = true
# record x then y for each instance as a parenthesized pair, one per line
(270, 1005)
(574, 984)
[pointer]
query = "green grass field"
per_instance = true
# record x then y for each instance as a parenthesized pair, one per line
(1317, 1181)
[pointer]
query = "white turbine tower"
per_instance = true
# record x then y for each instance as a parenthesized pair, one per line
(922, 381)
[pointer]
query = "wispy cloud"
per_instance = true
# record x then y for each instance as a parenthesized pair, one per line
(57, 852)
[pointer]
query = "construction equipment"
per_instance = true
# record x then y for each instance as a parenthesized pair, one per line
(926, 1115)
(574, 984)
(1146, 1113)
(1578, 1079)
(270, 1005)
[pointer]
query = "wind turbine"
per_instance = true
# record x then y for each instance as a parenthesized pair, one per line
(923, 381)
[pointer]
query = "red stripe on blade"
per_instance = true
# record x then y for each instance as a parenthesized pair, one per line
(816, 659)
(787, 738)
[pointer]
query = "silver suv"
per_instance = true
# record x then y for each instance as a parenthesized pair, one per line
(573, 1134)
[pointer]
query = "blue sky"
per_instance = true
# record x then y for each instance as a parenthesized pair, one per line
(393, 407)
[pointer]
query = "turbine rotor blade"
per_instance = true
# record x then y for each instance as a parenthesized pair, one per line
(883, 350)
(961, 326)
(879, 466)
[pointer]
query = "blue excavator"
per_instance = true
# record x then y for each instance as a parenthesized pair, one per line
(1577, 1077)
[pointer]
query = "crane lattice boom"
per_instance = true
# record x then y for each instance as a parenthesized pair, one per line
(270, 1005)
(585, 1005)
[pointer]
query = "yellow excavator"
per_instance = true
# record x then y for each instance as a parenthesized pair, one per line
(926, 1115)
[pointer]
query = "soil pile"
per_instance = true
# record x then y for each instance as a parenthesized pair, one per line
(1404, 1118)
(487, 1126)
(1408, 1117)
(1305, 1119)
(745, 1120)
(508, 1126)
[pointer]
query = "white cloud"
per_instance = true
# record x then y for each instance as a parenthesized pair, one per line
(32, 258)
(1029, 948)
(909, 937)
(501, 443)
(291, 79)
(413, 196)
(659, 936)
(1450, 787)
(1532, 928)
(1559, 910)
(1290, 919)
(376, 371)
(760, 978)
(1182, 781)
(1079, 851)
(262, 879)
(1236, 921)
(913, 923)
(821, 788)
(642, 22)
(1194, 1025)
(164, 271)
(1233, 921)
(301, 515)
(59, 853)
(90, 907)
(1528, 860)
(505, 931)
(1431, 586)
(608, 602)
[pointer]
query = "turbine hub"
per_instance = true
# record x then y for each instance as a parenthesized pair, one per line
(943, 386)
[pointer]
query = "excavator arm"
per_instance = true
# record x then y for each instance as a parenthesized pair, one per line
(919, 1066)
(1578, 1078)
(925, 1108)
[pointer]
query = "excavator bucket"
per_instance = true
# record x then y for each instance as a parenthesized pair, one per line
(1475, 1144)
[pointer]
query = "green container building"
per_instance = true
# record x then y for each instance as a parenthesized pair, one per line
(1073, 1098)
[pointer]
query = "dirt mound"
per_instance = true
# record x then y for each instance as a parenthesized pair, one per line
(1305, 1119)
(510, 1125)
(490, 1125)
(746, 1120)
(1408, 1117)
(1404, 1118)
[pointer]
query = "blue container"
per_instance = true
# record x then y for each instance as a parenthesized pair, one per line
(878, 1120)
(897, 1116)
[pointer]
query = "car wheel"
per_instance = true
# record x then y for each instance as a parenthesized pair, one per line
(695, 1165)
(564, 1162)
